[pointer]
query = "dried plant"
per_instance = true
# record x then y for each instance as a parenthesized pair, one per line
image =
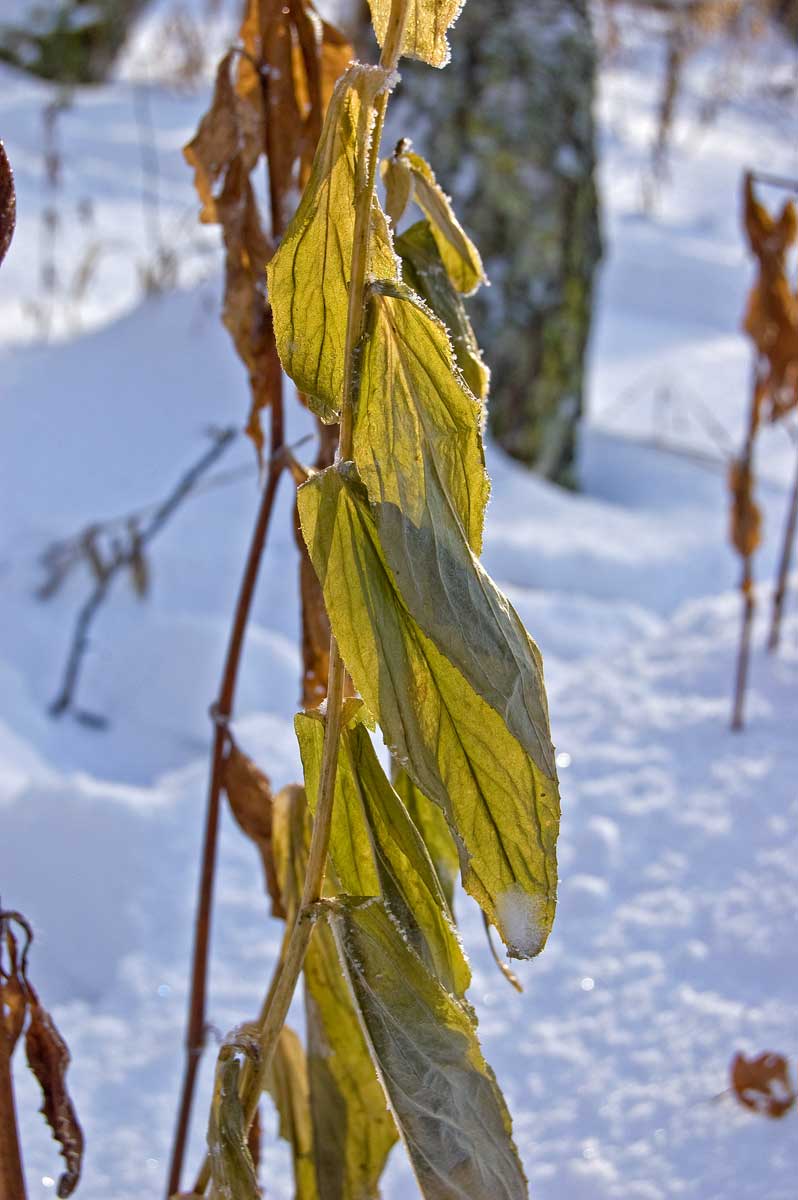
(422, 644)
(21, 1011)
(771, 322)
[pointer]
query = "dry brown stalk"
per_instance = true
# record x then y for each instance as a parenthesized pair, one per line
(274, 107)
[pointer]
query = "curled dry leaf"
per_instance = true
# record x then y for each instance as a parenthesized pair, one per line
(269, 98)
(46, 1051)
(8, 203)
(48, 1058)
(746, 515)
(763, 1083)
(771, 317)
(250, 795)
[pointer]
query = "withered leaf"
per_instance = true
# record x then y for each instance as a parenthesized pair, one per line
(251, 801)
(13, 993)
(763, 1083)
(771, 317)
(8, 203)
(746, 515)
(139, 567)
(48, 1058)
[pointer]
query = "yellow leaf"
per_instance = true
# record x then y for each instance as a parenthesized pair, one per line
(308, 277)
(502, 807)
(425, 32)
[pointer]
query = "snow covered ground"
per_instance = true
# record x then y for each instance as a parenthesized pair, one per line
(675, 940)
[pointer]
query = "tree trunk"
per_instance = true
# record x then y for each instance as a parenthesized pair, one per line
(68, 41)
(510, 133)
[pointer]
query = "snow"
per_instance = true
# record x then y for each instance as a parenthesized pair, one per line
(674, 942)
(523, 918)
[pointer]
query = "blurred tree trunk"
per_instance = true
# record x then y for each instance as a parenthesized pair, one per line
(68, 41)
(510, 133)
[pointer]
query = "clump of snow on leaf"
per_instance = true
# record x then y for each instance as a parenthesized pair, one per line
(523, 919)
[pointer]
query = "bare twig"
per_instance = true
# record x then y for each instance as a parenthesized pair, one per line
(221, 712)
(12, 1180)
(124, 558)
(780, 591)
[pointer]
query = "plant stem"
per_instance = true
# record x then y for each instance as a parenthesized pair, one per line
(222, 711)
(747, 581)
(784, 567)
(275, 1012)
(12, 1180)
(744, 652)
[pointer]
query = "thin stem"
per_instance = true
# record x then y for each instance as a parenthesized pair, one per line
(784, 566)
(747, 581)
(744, 652)
(222, 711)
(12, 1180)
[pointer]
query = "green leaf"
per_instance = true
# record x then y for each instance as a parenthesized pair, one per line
(352, 1128)
(419, 453)
(232, 1170)
(308, 277)
(288, 1086)
(431, 824)
(376, 849)
(459, 255)
(414, 419)
(500, 805)
(447, 1103)
(423, 271)
(398, 181)
(425, 32)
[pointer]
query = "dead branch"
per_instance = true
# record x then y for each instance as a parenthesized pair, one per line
(125, 556)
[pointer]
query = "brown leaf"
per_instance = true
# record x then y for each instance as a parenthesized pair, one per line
(771, 316)
(746, 516)
(139, 567)
(216, 144)
(48, 1058)
(250, 794)
(763, 1083)
(8, 203)
(13, 993)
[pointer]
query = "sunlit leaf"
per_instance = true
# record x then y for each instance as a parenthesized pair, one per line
(309, 274)
(447, 1103)
(398, 180)
(352, 1128)
(431, 824)
(415, 423)
(502, 808)
(287, 1084)
(425, 32)
(423, 271)
(459, 255)
(419, 453)
(376, 849)
(232, 1170)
